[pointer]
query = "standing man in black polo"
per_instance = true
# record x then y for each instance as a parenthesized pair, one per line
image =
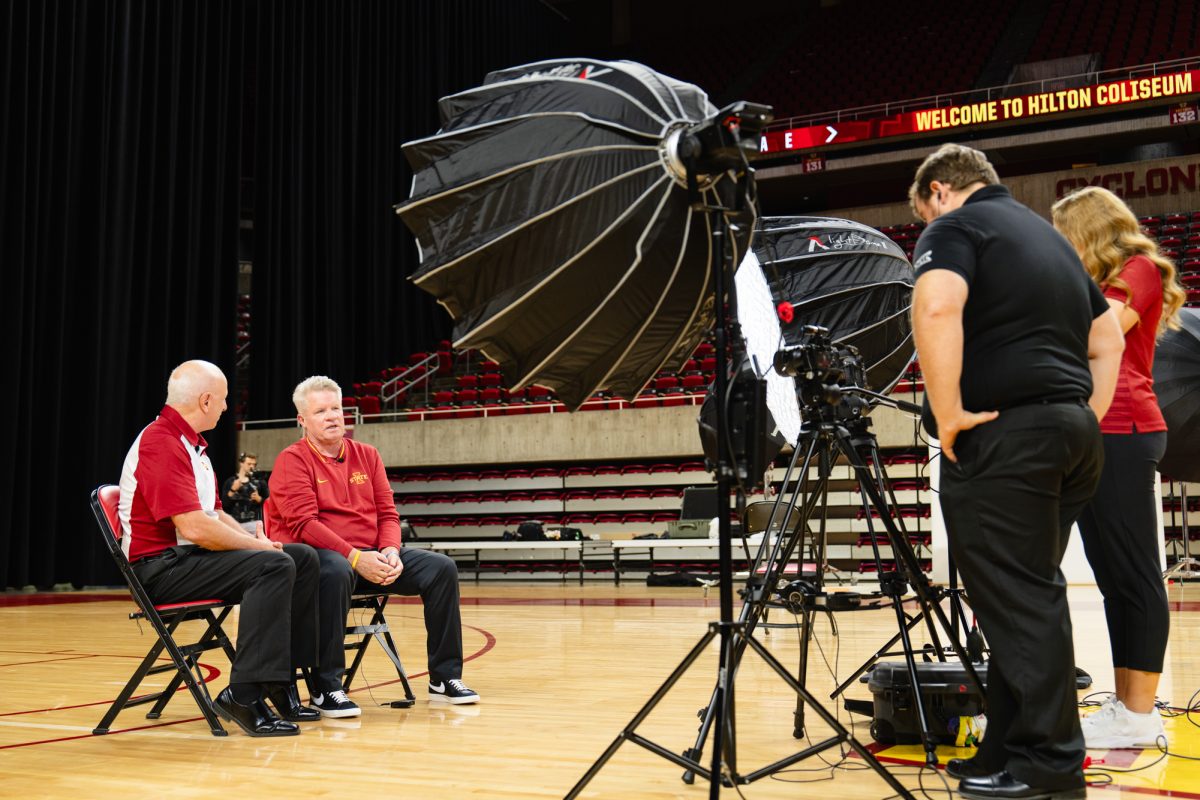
(1020, 355)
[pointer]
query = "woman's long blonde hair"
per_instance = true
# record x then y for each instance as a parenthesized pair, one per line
(1106, 234)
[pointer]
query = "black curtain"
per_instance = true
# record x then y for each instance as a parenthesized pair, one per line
(336, 88)
(118, 217)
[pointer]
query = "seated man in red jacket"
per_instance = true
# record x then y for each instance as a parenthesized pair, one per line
(332, 493)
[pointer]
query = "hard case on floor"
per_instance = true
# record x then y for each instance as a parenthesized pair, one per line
(946, 690)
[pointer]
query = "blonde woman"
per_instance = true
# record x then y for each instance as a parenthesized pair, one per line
(1119, 526)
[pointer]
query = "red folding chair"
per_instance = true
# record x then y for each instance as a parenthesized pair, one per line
(165, 620)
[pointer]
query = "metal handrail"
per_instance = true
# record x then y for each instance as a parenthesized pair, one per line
(990, 93)
(554, 406)
(353, 417)
(386, 394)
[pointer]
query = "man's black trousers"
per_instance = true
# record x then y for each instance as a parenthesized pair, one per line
(277, 622)
(1009, 503)
(432, 576)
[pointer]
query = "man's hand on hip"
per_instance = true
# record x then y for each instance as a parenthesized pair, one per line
(951, 427)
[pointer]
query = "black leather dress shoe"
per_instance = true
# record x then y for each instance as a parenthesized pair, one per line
(1003, 784)
(968, 768)
(287, 703)
(255, 719)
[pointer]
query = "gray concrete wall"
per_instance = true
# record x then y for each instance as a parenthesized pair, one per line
(650, 433)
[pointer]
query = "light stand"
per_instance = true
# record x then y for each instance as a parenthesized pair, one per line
(734, 636)
(1186, 567)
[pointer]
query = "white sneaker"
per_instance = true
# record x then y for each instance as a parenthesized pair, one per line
(1114, 727)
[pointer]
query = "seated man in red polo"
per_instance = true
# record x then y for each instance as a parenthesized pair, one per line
(184, 547)
(332, 493)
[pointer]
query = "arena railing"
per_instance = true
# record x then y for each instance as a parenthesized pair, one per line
(396, 386)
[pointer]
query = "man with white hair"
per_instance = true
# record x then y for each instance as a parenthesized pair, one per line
(184, 547)
(333, 493)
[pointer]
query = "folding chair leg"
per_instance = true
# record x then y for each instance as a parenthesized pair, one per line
(199, 690)
(192, 652)
(389, 647)
(378, 627)
(123, 698)
(183, 670)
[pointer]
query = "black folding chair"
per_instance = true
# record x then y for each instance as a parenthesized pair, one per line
(165, 620)
(377, 628)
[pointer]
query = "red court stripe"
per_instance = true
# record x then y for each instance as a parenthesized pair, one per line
(210, 673)
(43, 661)
(58, 599)
(489, 641)
(488, 644)
(93, 736)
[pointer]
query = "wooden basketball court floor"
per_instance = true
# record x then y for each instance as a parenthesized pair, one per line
(562, 668)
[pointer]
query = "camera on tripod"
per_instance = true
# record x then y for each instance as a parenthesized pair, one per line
(823, 371)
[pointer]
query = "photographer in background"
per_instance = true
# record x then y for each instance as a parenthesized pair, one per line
(243, 495)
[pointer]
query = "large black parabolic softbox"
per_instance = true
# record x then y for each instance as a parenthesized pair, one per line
(846, 277)
(1177, 385)
(554, 224)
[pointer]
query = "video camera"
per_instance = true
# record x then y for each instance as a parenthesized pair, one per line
(823, 371)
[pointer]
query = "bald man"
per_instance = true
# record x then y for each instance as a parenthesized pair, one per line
(184, 547)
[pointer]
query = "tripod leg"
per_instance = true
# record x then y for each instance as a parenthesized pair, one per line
(915, 683)
(840, 731)
(771, 561)
(628, 731)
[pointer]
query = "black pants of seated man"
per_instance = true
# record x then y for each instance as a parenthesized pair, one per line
(1009, 503)
(432, 576)
(277, 623)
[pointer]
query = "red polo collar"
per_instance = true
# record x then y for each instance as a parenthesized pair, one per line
(176, 420)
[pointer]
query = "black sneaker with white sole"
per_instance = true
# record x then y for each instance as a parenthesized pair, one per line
(451, 691)
(335, 704)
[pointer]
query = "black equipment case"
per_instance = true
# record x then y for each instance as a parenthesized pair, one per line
(947, 693)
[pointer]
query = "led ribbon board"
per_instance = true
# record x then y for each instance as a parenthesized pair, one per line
(987, 112)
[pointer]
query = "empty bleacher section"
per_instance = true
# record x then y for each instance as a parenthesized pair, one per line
(461, 511)
(908, 50)
(1120, 33)
(448, 384)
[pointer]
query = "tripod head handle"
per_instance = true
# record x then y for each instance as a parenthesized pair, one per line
(884, 400)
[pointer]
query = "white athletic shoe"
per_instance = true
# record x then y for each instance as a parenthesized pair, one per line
(1114, 727)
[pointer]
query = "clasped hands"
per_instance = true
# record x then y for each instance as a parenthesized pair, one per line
(379, 568)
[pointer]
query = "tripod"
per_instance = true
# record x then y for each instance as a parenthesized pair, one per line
(841, 429)
(734, 636)
(1186, 567)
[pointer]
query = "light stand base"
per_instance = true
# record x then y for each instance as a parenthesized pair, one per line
(736, 639)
